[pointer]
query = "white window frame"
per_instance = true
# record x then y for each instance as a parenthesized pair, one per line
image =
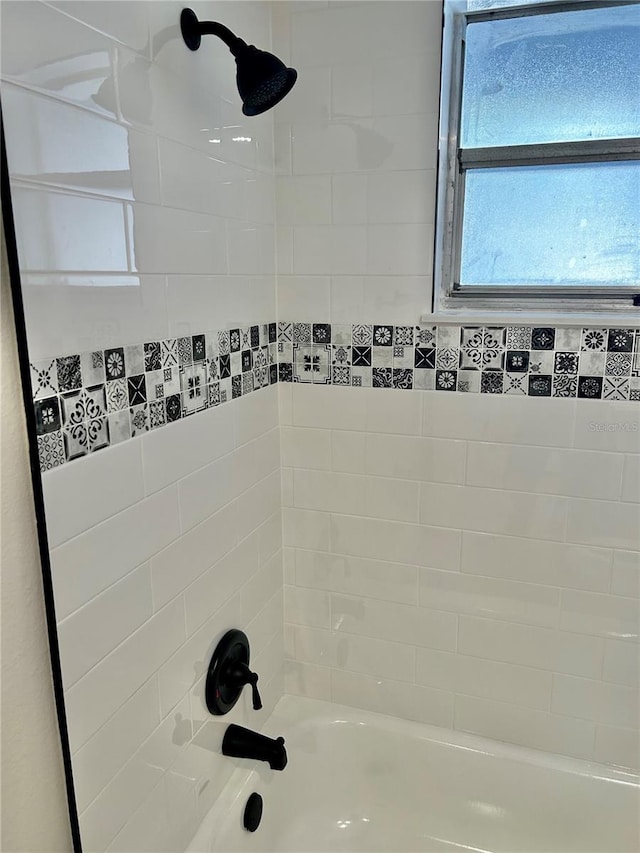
(453, 162)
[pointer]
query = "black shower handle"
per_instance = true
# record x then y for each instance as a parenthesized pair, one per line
(241, 675)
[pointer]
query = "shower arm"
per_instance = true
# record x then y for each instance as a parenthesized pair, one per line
(193, 30)
(212, 28)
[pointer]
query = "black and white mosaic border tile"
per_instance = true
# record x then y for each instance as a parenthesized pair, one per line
(590, 363)
(88, 401)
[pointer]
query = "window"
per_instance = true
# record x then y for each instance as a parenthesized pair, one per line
(539, 172)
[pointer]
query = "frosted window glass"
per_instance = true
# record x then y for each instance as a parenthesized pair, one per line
(552, 78)
(569, 224)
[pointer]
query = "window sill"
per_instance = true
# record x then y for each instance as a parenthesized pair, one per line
(466, 317)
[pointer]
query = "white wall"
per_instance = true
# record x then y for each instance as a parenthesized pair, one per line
(469, 560)
(144, 210)
(34, 804)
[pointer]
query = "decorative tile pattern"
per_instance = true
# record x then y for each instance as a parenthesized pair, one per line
(618, 364)
(447, 358)
(362, 335)
(446, 380)
(69, 373)
(539, 386)
(518, 337)
(169, 353)
(152, 356)
(383, 336)
(515, 383)
(382, 377)
(85, 402)
(593, 340)
(302, 333)
(193, 387)
(47, 414)
(184, 351)
(198, 347)
(321, 333)
(543, 338)
(517, 361)
(114, 363)
(620, 340)
(425, 336)
(491, 382)
(117, 395)
(311, 364)
(565, 385)
(566, 362)
(137, 390)
(590, 387)
(139, 420)
(616, 389)
(51, 450)
(173, 408)
(44, 378)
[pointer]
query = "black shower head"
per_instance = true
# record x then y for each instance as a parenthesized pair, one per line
(263, 80)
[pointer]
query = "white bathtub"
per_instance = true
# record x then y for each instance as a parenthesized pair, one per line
(358, 781)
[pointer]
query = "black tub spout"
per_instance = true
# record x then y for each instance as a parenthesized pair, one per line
(243, 743)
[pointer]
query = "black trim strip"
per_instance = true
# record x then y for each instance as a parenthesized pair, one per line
(38, 497)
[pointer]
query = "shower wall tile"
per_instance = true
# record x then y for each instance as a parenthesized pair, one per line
(35, 64)
(534, 469)
(306, 679)
(626, 574)
(398, 622)
(309, 607)
(112, 549)
(131, 29)
(615, 745)
(93, 699)
(98, 761)
(59, 232)
(389, 582)
(609, 616)
(543, 630)
(400, 699)
(609, 524)
(543, 648)
(594, 700)
(457, 592)
(621, 663)
(84, 152)
(523, 502)
(365, 655)
(90, 633)
(556, 564)
(536, 729)
(166, 240)
(73, 506)
(145, 210)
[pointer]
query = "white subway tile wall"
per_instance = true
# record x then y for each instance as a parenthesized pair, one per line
(481, 566)
(145, 207)
(487, 543)
(469, 560)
